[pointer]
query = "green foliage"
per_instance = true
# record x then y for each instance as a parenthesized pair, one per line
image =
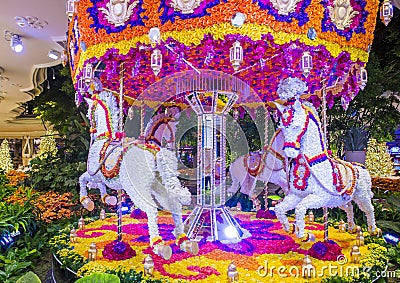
(5, 157)
(376, 108)
(99, 278)
(56, 106)
(52, 173)
(356, 139)
(15, 262)
(14, 217)
(29, 277)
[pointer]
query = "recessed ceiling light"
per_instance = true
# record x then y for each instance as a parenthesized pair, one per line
(30, 21)
(54, 54)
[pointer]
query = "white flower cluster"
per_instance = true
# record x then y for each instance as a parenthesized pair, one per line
(291, 88)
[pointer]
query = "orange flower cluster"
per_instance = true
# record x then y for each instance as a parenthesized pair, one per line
(51, 205)
(14, 177)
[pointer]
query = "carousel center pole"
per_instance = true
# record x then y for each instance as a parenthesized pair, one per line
(324, 129)
(210, 218)
(120, 129)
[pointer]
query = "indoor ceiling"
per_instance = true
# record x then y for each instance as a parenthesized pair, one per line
(21, 74)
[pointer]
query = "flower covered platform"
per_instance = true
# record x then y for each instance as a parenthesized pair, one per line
(269, 255)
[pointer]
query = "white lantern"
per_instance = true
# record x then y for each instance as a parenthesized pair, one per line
(156, 61)
(362, 78)
(233, 274)
(311, 217)
(88, 73)
(148, 265)
(386, 12)
(355, 254)
(70, 10)
(236, 55)
(306, 63)
(81, 223)
(102, 214)
(92, 253)
(80, 85)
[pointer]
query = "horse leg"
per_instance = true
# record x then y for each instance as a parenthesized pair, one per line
(84, 199)
(289, 202)
(365, 204)
(362, 197)
(311, 201)
(106, 198)
(348, 208)
(235, 184)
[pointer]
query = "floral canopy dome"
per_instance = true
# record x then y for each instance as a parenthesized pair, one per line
(322, 42)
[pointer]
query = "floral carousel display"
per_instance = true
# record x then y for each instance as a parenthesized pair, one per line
(212, 56)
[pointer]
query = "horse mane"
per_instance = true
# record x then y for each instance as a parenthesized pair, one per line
(109, 99)
(153, 120)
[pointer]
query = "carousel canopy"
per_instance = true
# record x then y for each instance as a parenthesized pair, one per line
(259, 42)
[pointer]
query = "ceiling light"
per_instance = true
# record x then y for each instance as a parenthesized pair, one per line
(54, 54)
(16, 43)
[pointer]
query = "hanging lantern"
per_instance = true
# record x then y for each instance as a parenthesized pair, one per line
(355, 254)
(308, 269)
(73, 237)
(92, 253)
(362, 78)
(102, 214)
(233, 274)
(81, 223)
(70, 10)
(88, 73)
(236, 55)
(235, 114)
(156, 61)
(386, 12)
(311, 217)
(342, 226)
(148, 265)
(306, 63)
(360, 239)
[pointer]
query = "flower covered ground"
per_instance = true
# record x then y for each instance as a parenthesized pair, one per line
(269, 255)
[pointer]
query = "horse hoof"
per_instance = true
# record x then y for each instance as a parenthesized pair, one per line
(377, 232)
(164, 251)
(111, 200)
(310, 237)
(87, 203)
(190, 247)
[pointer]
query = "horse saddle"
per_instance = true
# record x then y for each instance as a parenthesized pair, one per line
(110, 158)
(253, 163)
(345, 176)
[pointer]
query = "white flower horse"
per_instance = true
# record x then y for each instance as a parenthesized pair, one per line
(146, 172)
(270, 168)
(316, 179)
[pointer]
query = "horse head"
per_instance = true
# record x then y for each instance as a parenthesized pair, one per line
(103, 114)
(293, 124)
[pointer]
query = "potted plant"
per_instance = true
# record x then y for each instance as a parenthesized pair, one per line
(355, 143)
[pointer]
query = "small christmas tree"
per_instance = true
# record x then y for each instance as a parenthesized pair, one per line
(378, 160)
(48, 146)
(5, 157)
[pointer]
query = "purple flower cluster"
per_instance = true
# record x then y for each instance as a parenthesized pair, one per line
(118, 251)
(328, 250)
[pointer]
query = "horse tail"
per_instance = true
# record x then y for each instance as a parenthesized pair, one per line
(167, 167)
(365, 180)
